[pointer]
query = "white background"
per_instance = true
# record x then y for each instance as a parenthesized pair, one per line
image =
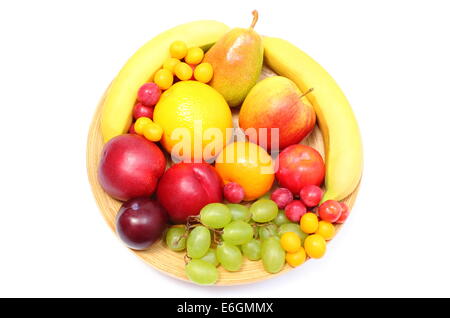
(390, 57)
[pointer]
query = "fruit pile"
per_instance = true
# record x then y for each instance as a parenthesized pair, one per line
(264, 196)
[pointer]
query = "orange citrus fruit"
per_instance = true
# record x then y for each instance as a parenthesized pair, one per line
(247, 164)
(194, 118)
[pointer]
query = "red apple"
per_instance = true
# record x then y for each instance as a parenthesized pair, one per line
(140, 222)
(299, 166)
(130, 167)
(276, 103)
(186, 188)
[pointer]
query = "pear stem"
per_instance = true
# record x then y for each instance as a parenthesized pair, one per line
(255, 18)
(307, 92)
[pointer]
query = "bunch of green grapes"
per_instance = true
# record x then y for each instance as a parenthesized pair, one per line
(229, 232)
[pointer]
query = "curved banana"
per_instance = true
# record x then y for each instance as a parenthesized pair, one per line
(117, 109)
(343, 146)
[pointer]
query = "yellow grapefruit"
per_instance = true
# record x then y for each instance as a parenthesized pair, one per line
(194, 118)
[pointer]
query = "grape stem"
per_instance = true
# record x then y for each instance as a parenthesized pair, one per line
(188, 226)
(255, 225)
(216, 238)
(187, 259)
(263, 224)
(192, 220)
(216, 235)
(184, 236)
(255, 232)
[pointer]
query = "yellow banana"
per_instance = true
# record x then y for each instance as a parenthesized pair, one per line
(117, 109)
(343, 146)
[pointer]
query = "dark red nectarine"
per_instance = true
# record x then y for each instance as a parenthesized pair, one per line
(130, 167)
(186, 188)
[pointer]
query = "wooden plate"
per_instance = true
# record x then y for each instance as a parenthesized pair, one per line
(158, 255)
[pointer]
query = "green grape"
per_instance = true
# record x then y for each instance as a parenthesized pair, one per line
(198, 242)
(211, 257)
(239, 212)
(281, 218)
(237, 233)
(215, 215)
(201, 272)
(252, 250)
(292, 227)
(264, 210)
(272, 255)
(269, 242)
(174, 238)
(267, 231)
(229, 256)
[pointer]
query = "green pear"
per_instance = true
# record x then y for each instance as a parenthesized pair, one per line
(237, 60)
